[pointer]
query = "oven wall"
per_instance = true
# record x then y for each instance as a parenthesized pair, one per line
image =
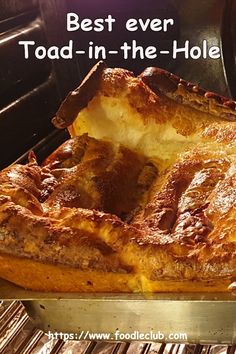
(195, 21)
(30, 90)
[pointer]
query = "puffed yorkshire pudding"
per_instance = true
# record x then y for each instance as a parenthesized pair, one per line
(141, 198)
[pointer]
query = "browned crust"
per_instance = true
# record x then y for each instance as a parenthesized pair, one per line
(162, 82)
(38, 276)
(183, 234)
(184, 92)
(176, 237)
(79, 98)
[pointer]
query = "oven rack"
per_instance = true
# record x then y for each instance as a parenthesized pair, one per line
(18, 335)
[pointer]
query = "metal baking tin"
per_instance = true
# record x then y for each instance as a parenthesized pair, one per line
(205, 318)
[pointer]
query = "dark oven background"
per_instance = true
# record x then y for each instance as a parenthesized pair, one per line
(31, 90)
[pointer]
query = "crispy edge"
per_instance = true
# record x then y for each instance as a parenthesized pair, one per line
(46, 277)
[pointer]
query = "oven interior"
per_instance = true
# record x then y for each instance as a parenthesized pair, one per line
(18, 334)
(31, 91)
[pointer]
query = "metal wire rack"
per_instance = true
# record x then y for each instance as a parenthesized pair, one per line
(18, 335)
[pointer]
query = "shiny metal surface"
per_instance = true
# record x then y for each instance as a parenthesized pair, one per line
(27, 339)
(205, 318)
(203, 321)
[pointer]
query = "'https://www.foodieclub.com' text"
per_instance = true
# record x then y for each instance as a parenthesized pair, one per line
(120, 336)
